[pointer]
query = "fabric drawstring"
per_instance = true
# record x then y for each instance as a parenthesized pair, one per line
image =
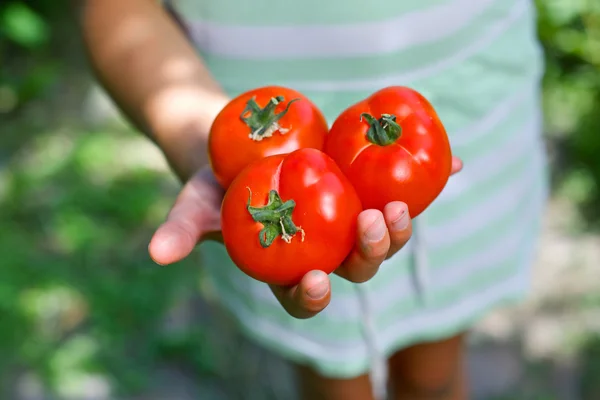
(378, 373)
(420, 259)
(420, 268)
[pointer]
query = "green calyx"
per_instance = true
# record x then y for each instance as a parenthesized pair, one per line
(276, 218)
(383, 131)
(263, 122)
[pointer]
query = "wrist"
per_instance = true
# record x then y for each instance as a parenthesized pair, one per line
(180, 125)
(186, 152)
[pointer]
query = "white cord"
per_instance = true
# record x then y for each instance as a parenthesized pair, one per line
(379, 373)
(420, 259)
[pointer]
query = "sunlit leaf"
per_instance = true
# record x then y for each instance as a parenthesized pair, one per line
(23, 26)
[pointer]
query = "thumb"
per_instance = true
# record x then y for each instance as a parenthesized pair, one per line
(189, 220)
(173, 241)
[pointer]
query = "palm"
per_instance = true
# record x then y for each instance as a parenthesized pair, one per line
(196, 216)
(208, 194)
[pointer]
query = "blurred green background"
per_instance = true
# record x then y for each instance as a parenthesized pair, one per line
(84, 313)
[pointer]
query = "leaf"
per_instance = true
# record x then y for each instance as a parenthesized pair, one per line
(23, 26)
(37, 80)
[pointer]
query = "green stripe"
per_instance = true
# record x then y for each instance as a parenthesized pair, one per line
(348, 368)
(482, 88)
(458, 326)
(218, 262)
(477, 283)
(457, 109)
(491, 185)
(235, 72)
(348, 331)
(479, 193)
(485, 144)
(487, 189)
(499, 226)
(354, 367)
(305, 12)
(399, 268)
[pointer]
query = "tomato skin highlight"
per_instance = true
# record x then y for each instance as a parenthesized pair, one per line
(413, 168)
(326, 211)
(229, 143)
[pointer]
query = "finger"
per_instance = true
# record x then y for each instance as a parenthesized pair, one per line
(399, 225)
(177, 236)
(306, 299)
(372, 246)
(457, 165)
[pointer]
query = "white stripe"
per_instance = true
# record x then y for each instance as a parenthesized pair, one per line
(331, 350)
(493, 31)
(525, 140)
(451, 276)
(459, 312)
(502, 250)
(313, 346)
(369, 38)
(340, 308)
(438, 236)
(496, 116)
(498, 206)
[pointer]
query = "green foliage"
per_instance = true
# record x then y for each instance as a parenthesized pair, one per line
(590, 385)
(26, 35)
(23, 26)
(79, 297)
(570, 32)
(78, 294)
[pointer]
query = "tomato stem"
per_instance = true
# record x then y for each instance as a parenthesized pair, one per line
(276, 218)
(383, 131)
(263, 122)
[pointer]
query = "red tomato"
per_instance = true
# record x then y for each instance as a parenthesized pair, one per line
(259, 123)
(286, 215)
(392, 146)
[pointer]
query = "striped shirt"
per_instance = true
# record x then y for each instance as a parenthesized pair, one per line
(480, 65)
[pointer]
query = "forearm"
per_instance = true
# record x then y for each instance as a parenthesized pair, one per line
(154, 75)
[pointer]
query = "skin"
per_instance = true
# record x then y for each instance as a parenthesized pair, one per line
(153, 73)
(430, 371)
(231, 149)
(426, 371)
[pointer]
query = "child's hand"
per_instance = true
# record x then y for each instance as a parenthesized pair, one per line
(196, 217)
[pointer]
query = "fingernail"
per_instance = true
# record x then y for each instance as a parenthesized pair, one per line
(376, 231)
(318, 291)
(401, 223)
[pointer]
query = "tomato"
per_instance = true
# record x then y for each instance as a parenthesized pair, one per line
(286, 215)
(392, 146)
(259, 123)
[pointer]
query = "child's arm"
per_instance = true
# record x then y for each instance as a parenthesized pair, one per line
(153, 73)
(155, 76)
